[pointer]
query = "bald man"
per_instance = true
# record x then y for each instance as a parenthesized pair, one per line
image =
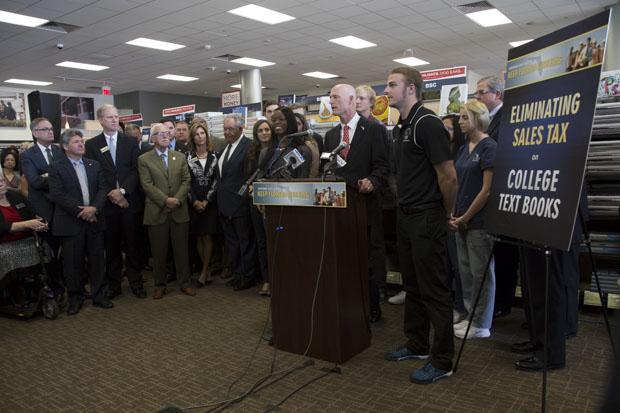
(366, 170)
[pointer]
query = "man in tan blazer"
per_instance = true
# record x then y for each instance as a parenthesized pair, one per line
(165, 179)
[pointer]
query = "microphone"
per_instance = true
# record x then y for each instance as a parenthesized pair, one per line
(335, 152)
(303, 134)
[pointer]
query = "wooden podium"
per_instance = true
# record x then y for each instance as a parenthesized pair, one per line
(294, 239)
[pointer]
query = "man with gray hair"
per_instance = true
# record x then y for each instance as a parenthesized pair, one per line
(79, 220)
(234, 208)
(489, 91)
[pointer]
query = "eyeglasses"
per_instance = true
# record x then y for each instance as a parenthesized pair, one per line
(44, 130)
(482, 92)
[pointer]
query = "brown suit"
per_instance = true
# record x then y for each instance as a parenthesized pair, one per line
(160, 183)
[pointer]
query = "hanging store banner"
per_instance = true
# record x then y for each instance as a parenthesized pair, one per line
(136, 118)
(179, 110)
(231, 99)
(549, 101)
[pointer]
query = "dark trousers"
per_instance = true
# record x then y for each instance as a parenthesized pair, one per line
(453, 272)
(160, 236)
(506, 274)
(376, 252)
(88, 243)
(122, 234)
(55, 278)
(423, 262)
(241, 246)
(560, 287)
(258, 224)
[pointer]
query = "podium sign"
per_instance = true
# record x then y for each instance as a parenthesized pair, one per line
(549, 101)
(308, 194)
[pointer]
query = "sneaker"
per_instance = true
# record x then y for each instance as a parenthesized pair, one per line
(474, 332)
(461, 325)
(398, 299)
(428, 374)
(457, 317)
(404, 353)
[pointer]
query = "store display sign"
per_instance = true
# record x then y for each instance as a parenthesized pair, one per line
(549, 102)
(179, 110)
(435, 79)
(135, 118)
(230, 99)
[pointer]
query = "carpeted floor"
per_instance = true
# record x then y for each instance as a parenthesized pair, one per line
(146, 355)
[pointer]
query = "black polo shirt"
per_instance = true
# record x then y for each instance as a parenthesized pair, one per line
(422, 142)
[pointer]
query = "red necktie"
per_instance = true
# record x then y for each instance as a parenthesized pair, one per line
(345, 139)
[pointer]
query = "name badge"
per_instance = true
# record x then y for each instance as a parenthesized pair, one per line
(104, 149)
(20, 205)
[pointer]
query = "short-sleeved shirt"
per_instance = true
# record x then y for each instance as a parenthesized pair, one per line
(469, 171)
(422, 141)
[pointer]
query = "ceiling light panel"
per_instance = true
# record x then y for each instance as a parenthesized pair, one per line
(82, 66)
(178, 78)
(411, 61)
(261, 14)
(20, 19)
(489, 18)
(155, 44)
(519, 43)
(352, 42)
(320, 75)
(28, 82)
(252, 62)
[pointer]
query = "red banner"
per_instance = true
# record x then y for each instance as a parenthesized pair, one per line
(178, 110)
(436, 74)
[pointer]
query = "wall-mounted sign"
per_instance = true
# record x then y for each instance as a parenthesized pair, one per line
(230, 99)
(136, 117)
(179, 110)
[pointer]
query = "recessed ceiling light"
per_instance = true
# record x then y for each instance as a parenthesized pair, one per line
(83, 66)
(28, 82)
(154, 44)
(261, 14)
(20, 19)
(177, 78)
(488, 18)
(520, 42)
(252, 62)
(238, 86)
(320, 75)
(352, 42)
(412, 61)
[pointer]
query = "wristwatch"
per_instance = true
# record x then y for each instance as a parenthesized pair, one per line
(122, 191)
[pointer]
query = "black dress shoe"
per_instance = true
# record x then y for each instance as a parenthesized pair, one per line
(232, 283)
(375, 315)
(104, 304)
(501, 313)
(147, 267)
(523, 347)
(243, 285)
(114, 292)
(535, 363)
(74, 308)
(139, 292)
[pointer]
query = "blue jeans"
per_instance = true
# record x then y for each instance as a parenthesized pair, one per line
(474, 247)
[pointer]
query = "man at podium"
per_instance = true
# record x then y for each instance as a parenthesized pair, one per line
(366, 170)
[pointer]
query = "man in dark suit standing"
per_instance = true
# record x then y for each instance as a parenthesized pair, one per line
(489, 91)
(366, 170)
(118, 156)
(174, 144)
(234, 209)
(79, 190)
(35, 163)
(165, 179)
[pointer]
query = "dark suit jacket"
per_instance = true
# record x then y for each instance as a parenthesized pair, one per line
(125, 171)
(493, 129)
(23, 207)
(229, 203)
(367, 156)
(66, 193)
(35, 168)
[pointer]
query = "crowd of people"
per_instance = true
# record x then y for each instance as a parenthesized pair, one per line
(112, 201)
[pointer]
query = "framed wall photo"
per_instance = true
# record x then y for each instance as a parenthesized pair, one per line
(74, 110)
(12, 110)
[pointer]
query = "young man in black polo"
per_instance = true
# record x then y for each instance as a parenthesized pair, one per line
(426, 182)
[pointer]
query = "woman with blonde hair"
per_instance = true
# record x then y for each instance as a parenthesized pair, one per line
(474, 170)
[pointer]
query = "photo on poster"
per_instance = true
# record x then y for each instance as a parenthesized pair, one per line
(451, 99)
(12, 110)
(286, 100)
(74, 110)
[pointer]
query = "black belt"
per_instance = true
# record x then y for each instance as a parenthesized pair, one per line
(417, 209)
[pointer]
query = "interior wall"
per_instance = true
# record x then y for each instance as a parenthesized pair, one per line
(612, 47)
(23, 134)
(152, 103)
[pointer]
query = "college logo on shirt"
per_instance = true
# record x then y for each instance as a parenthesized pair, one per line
(476, 157)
